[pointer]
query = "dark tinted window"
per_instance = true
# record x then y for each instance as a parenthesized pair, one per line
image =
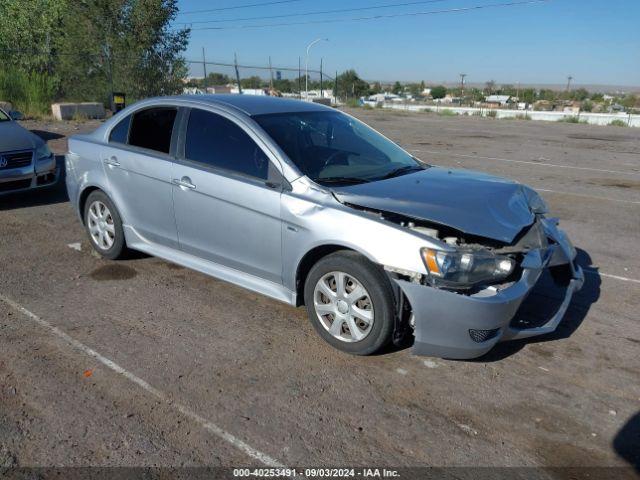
(120, 132)
(152, 129)
(215, 141)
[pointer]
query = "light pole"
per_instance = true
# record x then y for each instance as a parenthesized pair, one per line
(306, 67)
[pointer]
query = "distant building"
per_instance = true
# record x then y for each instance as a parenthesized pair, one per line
(220, 89)
(496, 101)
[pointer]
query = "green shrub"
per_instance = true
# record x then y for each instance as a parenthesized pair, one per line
(447, 113)
(353, 103)
(571, 119)
(31, 94)
(618, 123)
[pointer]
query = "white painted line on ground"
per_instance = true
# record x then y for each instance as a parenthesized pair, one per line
(203, 422)
(595, 197)
(608, 275)
(510, 160)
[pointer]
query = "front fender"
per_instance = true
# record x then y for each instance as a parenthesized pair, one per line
(308, 224)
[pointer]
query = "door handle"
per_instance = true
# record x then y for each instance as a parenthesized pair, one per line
(184, 182)
(112, 161)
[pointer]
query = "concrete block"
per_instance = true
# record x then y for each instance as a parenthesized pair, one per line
(68, 111)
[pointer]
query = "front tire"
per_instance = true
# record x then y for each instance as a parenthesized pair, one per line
(350, 303)
(104, 226)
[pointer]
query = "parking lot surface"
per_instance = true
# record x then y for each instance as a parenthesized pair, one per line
(145, 363)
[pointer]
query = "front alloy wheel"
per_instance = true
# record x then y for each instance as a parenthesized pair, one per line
(350, 302)
(343, 306)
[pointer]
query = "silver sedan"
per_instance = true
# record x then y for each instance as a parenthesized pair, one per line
(25, 159)
(309, 206)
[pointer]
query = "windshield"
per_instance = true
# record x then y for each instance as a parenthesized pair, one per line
(330, 147)
(4, 117)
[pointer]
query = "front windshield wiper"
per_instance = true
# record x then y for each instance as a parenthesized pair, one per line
(347, 180)
(401, 171)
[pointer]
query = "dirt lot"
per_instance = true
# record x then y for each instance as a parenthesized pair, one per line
(211, 374)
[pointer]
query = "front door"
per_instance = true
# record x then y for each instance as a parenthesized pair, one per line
(227, 197)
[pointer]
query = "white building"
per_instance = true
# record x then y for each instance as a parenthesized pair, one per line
(500, 99)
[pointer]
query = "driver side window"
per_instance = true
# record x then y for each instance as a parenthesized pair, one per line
(214, 141)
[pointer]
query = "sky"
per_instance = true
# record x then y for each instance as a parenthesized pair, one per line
(594, 41)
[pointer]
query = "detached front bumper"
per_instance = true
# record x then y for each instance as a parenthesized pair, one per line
(454, 325)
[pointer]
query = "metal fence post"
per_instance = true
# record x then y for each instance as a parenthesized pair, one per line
(235, 63)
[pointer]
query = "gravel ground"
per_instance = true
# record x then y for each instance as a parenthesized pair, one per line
(197, 353)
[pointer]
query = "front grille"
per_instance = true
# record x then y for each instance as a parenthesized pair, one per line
(15, 185)
(15, 160)
(480, 336)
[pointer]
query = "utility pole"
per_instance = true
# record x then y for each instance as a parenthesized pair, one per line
(299, 78)
(321, 91)
(204, 69)
(335, 88)
(569, 78)
(235, 64)
(271, 74)
(462, 75)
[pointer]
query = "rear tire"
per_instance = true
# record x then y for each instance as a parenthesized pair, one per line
(104, 226)
(350, 303)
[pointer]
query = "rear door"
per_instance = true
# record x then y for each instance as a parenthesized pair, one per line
(138, 163)
(227, 196)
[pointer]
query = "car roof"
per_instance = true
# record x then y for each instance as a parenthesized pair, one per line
(256, 104)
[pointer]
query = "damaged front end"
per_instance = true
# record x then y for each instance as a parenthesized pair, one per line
(471, 295)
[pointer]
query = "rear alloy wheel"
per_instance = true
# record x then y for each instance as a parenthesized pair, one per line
(100, 224)
(350, 303)
(104, 226)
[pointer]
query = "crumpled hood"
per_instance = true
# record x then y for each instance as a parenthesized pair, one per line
(472, 202)
(15, 137)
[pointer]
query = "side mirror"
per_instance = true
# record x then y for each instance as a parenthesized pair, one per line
(15, 115)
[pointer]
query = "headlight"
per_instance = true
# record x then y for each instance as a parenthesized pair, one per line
(466, 268)
(43, 152)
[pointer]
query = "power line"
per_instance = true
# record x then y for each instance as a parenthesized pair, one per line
(220, 9)
(317, 12)
(377, 17)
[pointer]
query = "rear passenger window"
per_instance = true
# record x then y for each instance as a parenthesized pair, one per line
(152, 129)
(120, 132)
(217, 142)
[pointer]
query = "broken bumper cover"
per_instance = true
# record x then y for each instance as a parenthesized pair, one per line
(454, 325)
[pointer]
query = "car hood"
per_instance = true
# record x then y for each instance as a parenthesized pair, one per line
(15, 137)
(472, 202)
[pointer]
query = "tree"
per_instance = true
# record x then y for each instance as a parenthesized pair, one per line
(92, 48)
(216, 78)
(351, 85)
(490, 86)
(122, 45)
(528, 95)
(439, 91)
(251, 82)
(580, 94)
(397, 88)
